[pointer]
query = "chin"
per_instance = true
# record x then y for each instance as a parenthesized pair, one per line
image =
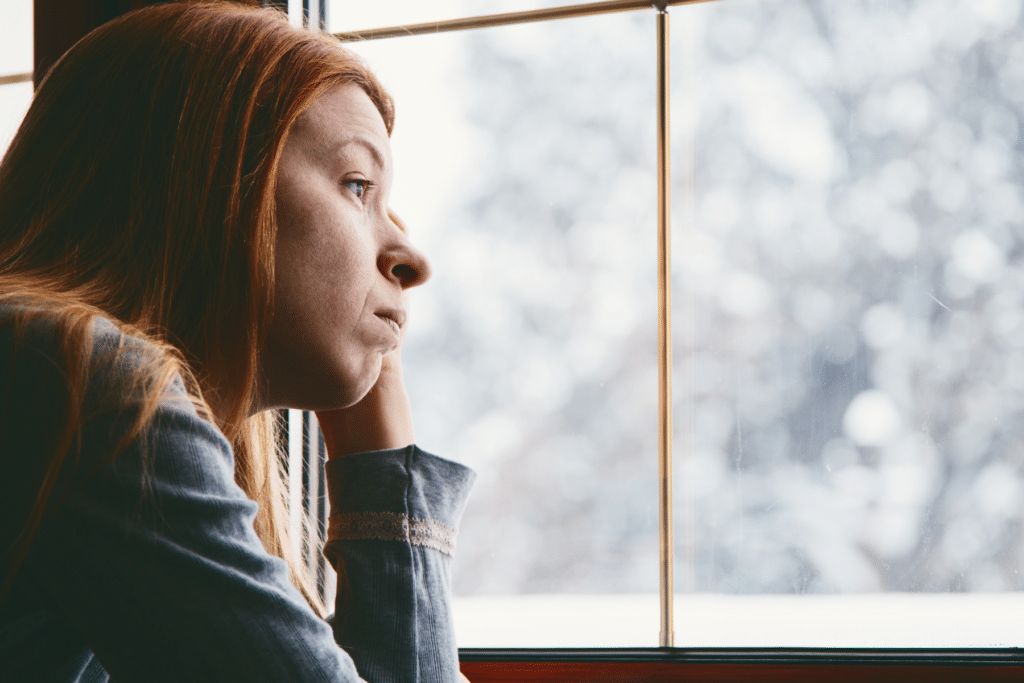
(353, 387)
(355, 396)
(327, 387)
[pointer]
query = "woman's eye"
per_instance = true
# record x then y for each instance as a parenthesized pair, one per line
(358, 187)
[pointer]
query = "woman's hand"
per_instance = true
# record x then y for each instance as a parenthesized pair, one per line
(382, 419)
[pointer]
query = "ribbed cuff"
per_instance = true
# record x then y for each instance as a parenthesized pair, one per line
(403, 494)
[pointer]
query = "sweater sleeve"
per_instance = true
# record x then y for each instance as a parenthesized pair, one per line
(391, 538)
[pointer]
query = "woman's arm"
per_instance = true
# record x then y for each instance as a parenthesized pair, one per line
(391, 537)
(394, 514)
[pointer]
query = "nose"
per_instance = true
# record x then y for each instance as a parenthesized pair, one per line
(403, 262)
(407, 265)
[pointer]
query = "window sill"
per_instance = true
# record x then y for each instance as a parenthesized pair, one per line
(705, 664)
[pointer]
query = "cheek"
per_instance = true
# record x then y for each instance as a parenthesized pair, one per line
(307, 259)
(335, 281)
(322, 285)
(319, 355)
(324, 264)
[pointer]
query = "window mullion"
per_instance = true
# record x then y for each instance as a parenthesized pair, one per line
(665, 536)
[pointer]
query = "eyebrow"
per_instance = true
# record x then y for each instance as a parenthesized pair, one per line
(364, 142)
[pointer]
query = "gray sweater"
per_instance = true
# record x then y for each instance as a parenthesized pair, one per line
(148, 569)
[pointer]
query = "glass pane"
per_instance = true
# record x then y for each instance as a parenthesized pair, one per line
(15, 37)
(14, 101)
(849, 322)
(15, 58)
(524, 164)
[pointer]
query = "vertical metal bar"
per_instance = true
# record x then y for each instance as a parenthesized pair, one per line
(315, 508)
(667, 638)
(314, 15)
(308, 538)
(295, 492)
(328, 578)
(317, 518)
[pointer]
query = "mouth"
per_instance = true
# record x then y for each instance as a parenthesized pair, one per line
(394, 319)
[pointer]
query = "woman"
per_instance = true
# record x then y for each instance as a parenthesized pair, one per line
(194, 230)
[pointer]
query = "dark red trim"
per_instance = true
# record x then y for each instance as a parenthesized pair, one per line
(796, 666)
(655, 672)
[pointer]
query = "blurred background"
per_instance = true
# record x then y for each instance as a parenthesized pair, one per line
(847, 232)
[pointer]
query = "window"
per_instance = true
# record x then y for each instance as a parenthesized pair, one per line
(15, 68)
(846, 222)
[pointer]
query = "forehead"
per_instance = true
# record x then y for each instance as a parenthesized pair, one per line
(342, 116)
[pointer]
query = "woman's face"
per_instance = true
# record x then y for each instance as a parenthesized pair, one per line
(342, 265)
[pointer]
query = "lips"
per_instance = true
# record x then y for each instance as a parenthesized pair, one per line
(393, 317)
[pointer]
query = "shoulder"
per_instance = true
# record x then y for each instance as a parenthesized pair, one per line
(70, 390)
(85, 387)
(50, 331)
(59, 367)
(84, 350)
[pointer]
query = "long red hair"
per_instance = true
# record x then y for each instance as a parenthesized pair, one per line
(140, 187)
